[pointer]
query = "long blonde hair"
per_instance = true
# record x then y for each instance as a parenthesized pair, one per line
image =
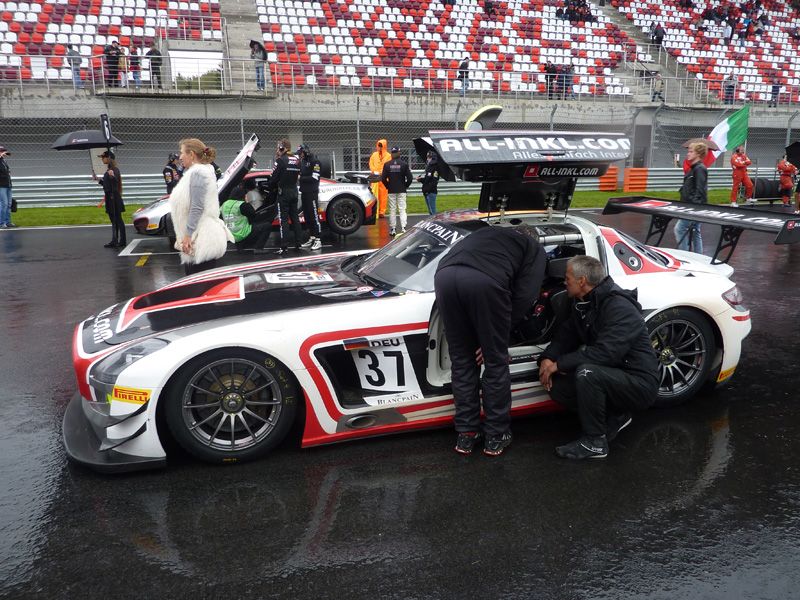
(205, 154)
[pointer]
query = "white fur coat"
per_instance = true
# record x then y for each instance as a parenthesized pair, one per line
(211, 237)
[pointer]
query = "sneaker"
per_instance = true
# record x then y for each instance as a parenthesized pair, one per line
(392, 232)
(110, 245)
(317, 244)
(615, 424)
(495, 444)
(10, 225)
(797, 212)
(466, 441)
(307, 245)
(752, 202)
(585, 447)
(280, 251)
(402, 231)
(3, 226)
(734, 205)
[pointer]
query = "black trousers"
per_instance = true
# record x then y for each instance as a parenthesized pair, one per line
(476, 312)
(258, 236)
(310, 198)
(192, 268)
(118, 235)
(287, 211)
(598, 394)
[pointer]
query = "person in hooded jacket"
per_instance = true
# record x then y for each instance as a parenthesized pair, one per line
(379, 158)
(430, 182)
(601, 362)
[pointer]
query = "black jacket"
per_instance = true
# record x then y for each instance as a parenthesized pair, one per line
(309, 173)
(607, 329)
(514, 260)
(430, 180)
(695, 184)
(396, 176)
(112, 191)
(5, 174)
(285, 174)
(155, 57)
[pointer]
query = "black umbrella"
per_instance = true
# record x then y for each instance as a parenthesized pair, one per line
(793, 154)
(84, 140)
(422, 146)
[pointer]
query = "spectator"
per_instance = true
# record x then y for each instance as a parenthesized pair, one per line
(156, 79)
(201, 235)
(788, 173)
(489, 9)
(495, 271)
(728, 33)
(74, 59)
(111, 55)
(396, 177)
(112, 198)
(123, 68)
(430, 181)
(658, 34)
(559, 13)
(600, 363)
(695, 191)
(739, 163)
(376, 161)
(658, 88)
(728, 86)
(776, 92)
(796, 33)
(6, 197)
(135, 65)
(259, 54)
(551, 72)
(463, 74)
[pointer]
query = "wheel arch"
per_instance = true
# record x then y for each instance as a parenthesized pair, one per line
(343, 196)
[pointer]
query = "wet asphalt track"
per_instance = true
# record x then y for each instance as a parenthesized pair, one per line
(696, 502)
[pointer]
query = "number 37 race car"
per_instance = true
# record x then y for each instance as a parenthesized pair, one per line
(226, 361)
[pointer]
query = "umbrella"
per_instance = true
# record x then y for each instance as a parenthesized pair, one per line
(793, 154)
(84, 140)
(710, 143)
(422, 146)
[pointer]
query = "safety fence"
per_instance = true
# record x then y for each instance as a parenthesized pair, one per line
(146, 188)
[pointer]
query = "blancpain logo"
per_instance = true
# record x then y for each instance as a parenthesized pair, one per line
(443, 233)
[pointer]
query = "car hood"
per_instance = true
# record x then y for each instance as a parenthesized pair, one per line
(241, 290)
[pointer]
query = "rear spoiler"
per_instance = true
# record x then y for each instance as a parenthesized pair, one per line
(523, 169)
(733, 221)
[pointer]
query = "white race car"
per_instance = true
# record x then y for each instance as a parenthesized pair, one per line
(227, 360)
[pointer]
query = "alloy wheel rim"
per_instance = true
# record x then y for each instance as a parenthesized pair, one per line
(682, 351)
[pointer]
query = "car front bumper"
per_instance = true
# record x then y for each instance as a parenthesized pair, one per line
(86, 443)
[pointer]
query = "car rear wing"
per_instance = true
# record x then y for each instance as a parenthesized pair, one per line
(733, 221)
(522, 169)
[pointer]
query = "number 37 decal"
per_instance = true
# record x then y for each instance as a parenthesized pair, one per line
(385, 372)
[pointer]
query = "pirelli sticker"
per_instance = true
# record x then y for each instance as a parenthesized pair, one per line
(129, 395)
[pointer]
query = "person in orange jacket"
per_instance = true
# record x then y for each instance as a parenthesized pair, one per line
(787, 172)
(739, 163)
(380, 157)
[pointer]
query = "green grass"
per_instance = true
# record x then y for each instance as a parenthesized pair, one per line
(91, 215)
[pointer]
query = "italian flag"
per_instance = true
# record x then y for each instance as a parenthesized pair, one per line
(729, 134)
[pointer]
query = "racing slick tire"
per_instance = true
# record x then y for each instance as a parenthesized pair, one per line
(686, 348)
(344, 215)
(231, 405)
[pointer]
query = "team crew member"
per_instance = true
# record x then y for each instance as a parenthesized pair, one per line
(600, 362)
(284, 179)
(112, 198)
(376, 161)
(249, 227)
(310, 169)
(6, 197)
(430, 182)
(396, 177)
(495, 271)
(171, 173)
(739, 163)
(787, 172)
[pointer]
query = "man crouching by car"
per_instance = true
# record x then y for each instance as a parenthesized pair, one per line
(600, 362)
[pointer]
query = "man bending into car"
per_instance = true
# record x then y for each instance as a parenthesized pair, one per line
(600, 362)
(484, 287)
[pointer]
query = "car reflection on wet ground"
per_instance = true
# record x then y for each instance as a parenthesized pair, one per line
(699, 501)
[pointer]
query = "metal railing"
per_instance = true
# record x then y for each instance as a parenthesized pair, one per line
(197, 28)
(80, 190)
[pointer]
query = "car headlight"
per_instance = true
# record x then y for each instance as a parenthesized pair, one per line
(107, 370)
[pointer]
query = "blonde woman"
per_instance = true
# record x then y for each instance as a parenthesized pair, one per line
(201, 235)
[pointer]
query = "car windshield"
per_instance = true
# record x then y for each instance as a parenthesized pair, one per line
(409, 262)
